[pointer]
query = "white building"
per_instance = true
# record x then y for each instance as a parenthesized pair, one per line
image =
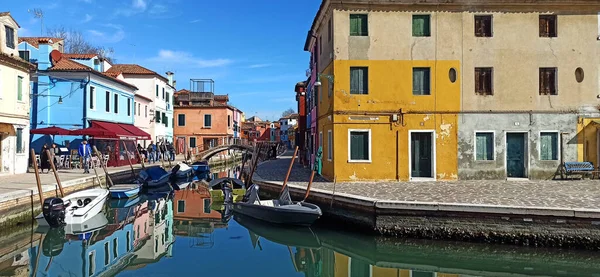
(153, 106)
(286, 123)
(14, 100)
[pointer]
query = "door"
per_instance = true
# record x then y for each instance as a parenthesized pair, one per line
(515, 155)
(421, 155)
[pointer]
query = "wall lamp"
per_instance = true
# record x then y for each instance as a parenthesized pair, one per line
(60, 99)
(318, 82)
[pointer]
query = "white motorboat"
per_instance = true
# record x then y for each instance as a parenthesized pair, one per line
(182, 170)
(75, 208)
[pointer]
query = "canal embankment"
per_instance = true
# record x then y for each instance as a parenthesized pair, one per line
(562, 214)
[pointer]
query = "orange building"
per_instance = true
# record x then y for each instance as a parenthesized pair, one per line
(192, 204)
(203, 120)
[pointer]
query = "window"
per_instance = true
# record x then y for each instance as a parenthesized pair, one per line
(134, 107)
(20, 148)
(548, 81)
(207, 121)
(549, 146)
(106, 253)
(24, 55)
(421, 26)
(146, 111)
(329, 146)
(157, 117)
(181, 120)
(116, 104)
(165, 119)
(128, 240)
(167, 98)
(115, 248)
(228, 120)
(107, 101)
(139, 108)
(484, 81)
(359, 145)
(181, 206)
(330, 30)
(19, 88)
(128, 107)
(421, 81)
(10, 37)
(193, 142)
(320, 139)
(207, 208)
(92, 263)
(484, 146)
(156, 91)
(548, 26)
(163, 93)
(359, 80)
(92, 97)
(483, 26)
(359, 25)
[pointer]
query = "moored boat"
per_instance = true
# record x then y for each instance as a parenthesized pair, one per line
(155, 176)
(278, 211)
(201, 171)
(125, 202)
(75, 208)
(121, 191)
(216, 189)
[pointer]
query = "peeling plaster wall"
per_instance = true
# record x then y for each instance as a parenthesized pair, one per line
(468, 124)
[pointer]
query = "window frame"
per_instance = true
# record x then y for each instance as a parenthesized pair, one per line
(20, 88)
(428, 70)
(91, 98)
(412, 22)
(179, 120)
(19, 150)
(539, 145)
(204, 121)
(28, 54)
(359, 32)
(329, 145)
(494, 155)
(10, 42)
(116, 103)
(107, 100)
(128, 106)
(367, 79)
(92, 267)
(554, 18)
(476, 76)
(157, 91)
(550, 93)
(484, 16)
(350, 160)
(195, 142)
(179, 202)
(145, 111)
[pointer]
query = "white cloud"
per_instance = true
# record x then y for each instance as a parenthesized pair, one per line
(112, 36)
(87, 18)
(195, 21)
(182, 57)
(158, 9)
(260, 65)
(137, 6)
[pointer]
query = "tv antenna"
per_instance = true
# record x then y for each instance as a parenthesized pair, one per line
(38, 13)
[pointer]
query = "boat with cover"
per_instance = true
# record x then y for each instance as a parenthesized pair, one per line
(216, 189)
(75, 208)
(201, 171)
(184, 171)
(122, 191)
(154, 176)
(279, 211)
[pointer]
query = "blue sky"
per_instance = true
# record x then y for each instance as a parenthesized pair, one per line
(252, 49)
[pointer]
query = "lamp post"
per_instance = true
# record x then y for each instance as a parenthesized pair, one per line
(60, 99)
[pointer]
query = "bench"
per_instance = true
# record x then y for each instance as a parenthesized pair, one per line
(579, 168)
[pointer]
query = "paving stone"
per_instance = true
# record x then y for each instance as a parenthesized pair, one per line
(577, 194)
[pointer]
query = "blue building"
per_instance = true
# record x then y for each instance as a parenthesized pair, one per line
(72, 91)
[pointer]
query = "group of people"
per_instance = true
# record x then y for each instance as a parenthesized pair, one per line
(46, 156)
(163, 150)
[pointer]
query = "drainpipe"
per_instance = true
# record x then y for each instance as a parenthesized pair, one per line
(85, 87)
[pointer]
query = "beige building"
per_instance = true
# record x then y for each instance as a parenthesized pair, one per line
(458, 89)
(14, 100)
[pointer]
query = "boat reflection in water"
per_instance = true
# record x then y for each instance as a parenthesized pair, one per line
(123, 236)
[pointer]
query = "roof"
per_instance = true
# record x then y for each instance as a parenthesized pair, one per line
(79, 56)
(16, 62)
(9, 15)
(134, 69)
(67, 65)
(35, 41)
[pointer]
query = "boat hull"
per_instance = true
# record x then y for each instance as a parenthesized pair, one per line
(124, 191)
(84, 214)
(304, 216)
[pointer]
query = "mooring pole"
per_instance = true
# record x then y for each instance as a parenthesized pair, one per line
(287, 176)
(62, 193)
(37, 177)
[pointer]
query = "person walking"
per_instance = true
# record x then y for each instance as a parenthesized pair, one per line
(163, 150)
(171, 150)
(55, 152)
(150, 151)
(45, 159)
(85, 153)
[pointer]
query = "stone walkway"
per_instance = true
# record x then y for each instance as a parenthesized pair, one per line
(584, 194)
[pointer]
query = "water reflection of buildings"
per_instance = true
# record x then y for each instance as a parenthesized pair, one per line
(226, 172)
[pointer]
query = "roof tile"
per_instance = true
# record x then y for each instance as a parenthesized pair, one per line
(35, 41)
(79, 56)
(73, 66)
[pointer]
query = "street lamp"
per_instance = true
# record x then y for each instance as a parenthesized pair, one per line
(318, 82)
(60, 99)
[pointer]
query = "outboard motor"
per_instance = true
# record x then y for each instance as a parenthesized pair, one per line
(54, 211)
(54, 242)
(227, 194)
(251, 194)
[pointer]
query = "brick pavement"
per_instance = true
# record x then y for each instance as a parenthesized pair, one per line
(578, 194)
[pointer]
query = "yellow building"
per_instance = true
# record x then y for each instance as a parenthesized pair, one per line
(393, 103)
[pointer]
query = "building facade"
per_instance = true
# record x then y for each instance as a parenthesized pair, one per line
(14, 99)
(286, 123)
(396, 77)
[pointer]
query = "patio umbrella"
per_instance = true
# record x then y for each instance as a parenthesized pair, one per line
(93, 132)
(53, 131)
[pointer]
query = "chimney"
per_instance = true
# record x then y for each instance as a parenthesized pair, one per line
(45, 61)
(170, 78)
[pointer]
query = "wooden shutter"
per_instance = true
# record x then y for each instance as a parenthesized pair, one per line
(354, 25)
(417, 27)
(478, 88)
(417, 82)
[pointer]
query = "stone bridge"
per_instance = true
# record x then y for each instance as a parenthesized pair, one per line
(207, 154)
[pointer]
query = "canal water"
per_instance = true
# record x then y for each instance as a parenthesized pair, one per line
(185, 234)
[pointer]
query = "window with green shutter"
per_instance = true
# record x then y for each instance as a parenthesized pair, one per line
(421, 26)
(181, 119)
(359, 146)
(359, 25)
(421, 81)
(359, 80)
(20, 88)
(20, 148)
(548, 146)
(207, 121)
(157, 117)
(165, 119)
(484, 146)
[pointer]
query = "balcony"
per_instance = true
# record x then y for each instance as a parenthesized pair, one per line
(195, 96)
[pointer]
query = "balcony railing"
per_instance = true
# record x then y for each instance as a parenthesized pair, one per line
(195, 96)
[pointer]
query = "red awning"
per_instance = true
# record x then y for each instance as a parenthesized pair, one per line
(94, 131)
(139, 133)
(51, 131)
(114, 128)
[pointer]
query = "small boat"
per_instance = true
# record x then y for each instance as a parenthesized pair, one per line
(216, 189)
(154, 176)
(296, 236)
(201, 171)
(121, 191)
(76, 208)
(278, 211)
(183, 171)
(97, 222)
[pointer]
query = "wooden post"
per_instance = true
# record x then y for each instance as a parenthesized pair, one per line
(62, 193)
(37, 177)
(312, 176)
(95, 171)
(287, 176)
(141, 158)
(108, 179)
(129, 159)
